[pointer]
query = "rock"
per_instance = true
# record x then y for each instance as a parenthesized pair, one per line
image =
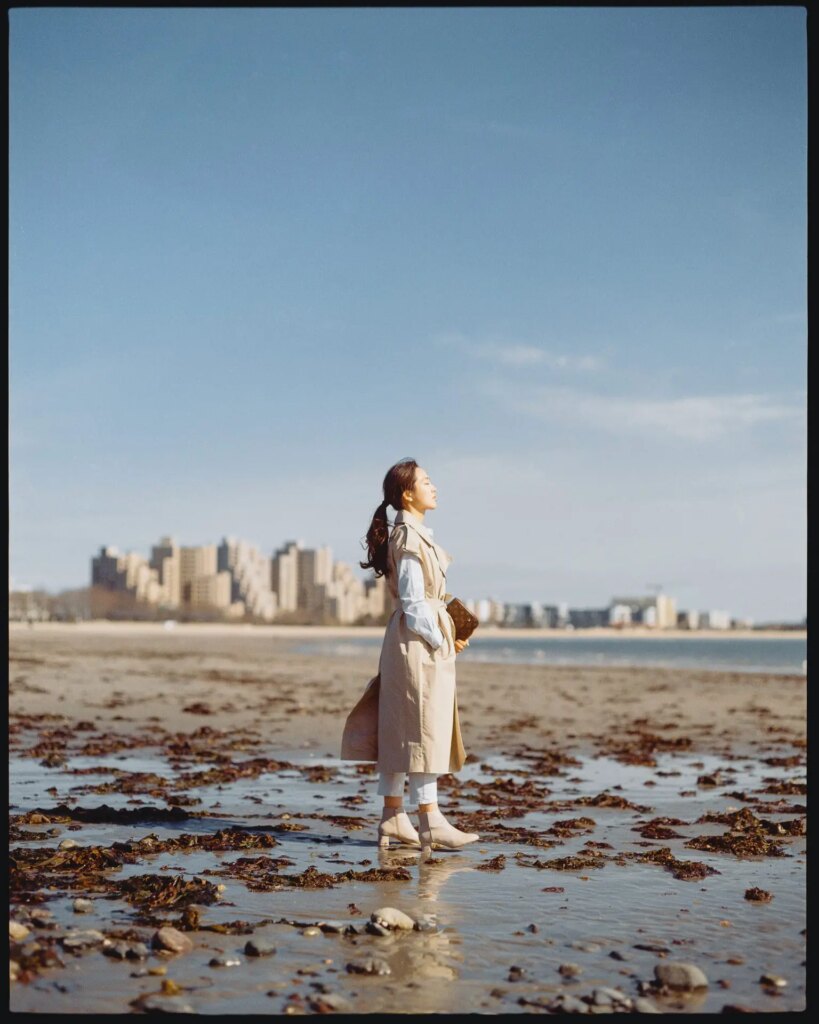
(311, 930)
(372, 965)
(224, 961)
(332, 1001)
(163, 1004)
(85, 939)
(568, 1004)
(615, 954)
(125, 950)
(586, 947)
(41, 917)
(82, 906)
(14, 970)
(17, 931)
(257, 947)
(601, 1008)
(570, 970)
(515, 973)
(643, 1005)
(604, 996)
(332, 927)
(68, 844)
(773, 979)
(682, 976)
(389, 917)
(172, 939)
(170, 987)
(377, 929)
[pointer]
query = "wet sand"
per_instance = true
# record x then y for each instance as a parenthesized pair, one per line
(236, 731)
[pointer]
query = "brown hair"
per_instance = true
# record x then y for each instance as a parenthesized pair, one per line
(399, 478)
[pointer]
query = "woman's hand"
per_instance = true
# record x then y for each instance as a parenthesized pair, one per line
(460, 644)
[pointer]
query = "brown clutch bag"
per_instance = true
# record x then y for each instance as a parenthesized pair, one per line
(465, 622)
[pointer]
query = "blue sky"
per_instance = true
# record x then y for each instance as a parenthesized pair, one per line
(556, 255)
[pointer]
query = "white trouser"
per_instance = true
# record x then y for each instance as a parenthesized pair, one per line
(423, 786)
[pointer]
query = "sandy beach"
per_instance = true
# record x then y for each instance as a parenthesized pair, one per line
(119, 715)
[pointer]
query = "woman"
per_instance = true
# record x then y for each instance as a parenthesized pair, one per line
(418, 730)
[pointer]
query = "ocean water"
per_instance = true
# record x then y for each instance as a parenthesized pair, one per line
(735, 654)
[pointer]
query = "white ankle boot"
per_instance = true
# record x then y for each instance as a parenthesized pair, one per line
(395, 824)
(437, 833)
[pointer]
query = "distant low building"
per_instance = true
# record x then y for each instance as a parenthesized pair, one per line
(715, 619)
(688, 620)
(588, 618)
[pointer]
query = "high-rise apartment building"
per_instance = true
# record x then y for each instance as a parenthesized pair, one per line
(284, 576)
(166, 560)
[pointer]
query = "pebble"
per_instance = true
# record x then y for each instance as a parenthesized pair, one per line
(643, 1005)
(82, 906)
(615, 954)
(126, 950)
(586, 947)
(678, 975)
(334, 1000)
(570, 970)
(389, 917)
(336, 927)
(377, 929)
(17, 931)
(68, 844)
(372, 965)
(773, 979)
(604, 996)
(40, 917)
(224, 961)
(568, 1004)
(14, 970)
(515, 973)
(82, 939)
(165, 1004)
(171, 939)
(256, 947)
(311, 930)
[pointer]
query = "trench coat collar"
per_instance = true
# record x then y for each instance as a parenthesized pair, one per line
(407, 517)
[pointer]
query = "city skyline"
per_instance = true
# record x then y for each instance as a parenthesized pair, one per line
(557, 255)
(233, 550)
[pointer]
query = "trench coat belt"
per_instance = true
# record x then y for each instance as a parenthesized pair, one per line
(433, 602)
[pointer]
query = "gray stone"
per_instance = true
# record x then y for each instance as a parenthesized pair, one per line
(68, 844)
(171, 939)
(570, 970)
(165, 1004)
(679, 975)
(82, 906)
(602, 996)
(311, 930)
(643, 1005)
(126, 950)
(389, 917)
(586, 947)
(377, 929)
(568, 1004)
(225, 960)
(372, 965)
(82, 939)
(335, 1001)
(257, 947)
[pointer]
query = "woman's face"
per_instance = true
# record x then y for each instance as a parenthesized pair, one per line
(424, 495)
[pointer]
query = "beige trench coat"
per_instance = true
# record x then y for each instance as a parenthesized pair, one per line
(407, 718)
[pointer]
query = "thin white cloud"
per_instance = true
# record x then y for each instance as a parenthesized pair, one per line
(513, 354)
(693, 418)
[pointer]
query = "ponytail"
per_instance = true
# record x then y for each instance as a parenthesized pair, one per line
(399, 478)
